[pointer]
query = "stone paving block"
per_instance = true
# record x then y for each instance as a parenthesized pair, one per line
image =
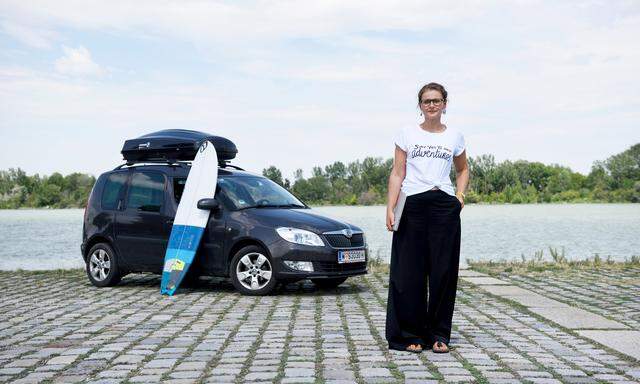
(497, 375)
(579, 380)
(626, 342)
(576, 318)
(128, 359)
(112, 373)
(185, 374)
(484, 280)
(255, 376)
(422, 374)
(69, 379)
(191, 365)
(146, 379)
(544, 380)
(570, 372)
(220, 379)
(375, 372)
(21, 363)
(298, 372)
(522, 296)
(161, 363)
(464, 272)
(292, 380)
(339, 374)
(11, 371)
(459, 379)
(62, 360)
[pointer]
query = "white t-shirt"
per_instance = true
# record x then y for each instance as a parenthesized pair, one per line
(429, 158)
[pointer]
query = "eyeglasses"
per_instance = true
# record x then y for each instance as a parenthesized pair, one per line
(436, 102)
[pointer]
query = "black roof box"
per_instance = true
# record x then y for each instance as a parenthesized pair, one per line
(174, 145)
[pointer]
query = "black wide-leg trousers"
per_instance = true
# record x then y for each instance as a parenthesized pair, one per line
(425, 254)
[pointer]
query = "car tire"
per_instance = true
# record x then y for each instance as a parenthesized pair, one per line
(102, 266)
(251, 271)
(329, 283)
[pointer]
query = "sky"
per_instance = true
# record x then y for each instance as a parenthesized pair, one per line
(298, 84)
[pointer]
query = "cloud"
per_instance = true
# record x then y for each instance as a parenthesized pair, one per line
(77, 62)
(29, 35)
(246, 21)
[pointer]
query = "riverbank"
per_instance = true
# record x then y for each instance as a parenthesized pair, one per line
(57, 327)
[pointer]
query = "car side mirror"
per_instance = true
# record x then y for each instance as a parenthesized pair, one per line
(210, 204)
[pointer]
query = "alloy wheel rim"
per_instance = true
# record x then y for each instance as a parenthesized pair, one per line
(254, 271)
(99, 264)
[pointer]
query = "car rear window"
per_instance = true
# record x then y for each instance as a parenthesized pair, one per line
(146, 192)
(112, 190)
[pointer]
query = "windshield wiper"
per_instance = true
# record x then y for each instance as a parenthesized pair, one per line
(273, 206)
(278, 206)
(291, 206)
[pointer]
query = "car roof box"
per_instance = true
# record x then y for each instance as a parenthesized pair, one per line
(174, 145)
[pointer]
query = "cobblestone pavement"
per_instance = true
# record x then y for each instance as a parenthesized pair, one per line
(58, 328)
(615, 295)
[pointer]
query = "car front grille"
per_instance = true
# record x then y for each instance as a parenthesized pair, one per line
(341, 241)
(330, 266)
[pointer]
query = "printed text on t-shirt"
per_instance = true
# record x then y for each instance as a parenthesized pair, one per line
(435, 151)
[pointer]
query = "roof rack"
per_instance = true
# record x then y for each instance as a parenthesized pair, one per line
(174, 163)
(227, 165)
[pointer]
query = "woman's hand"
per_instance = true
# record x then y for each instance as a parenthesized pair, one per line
(460, 198)
(390, 219)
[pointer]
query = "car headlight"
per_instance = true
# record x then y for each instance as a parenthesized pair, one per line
(300, 236)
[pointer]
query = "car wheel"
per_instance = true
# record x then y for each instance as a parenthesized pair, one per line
(328, 283)
(251, 271)
(102, 266)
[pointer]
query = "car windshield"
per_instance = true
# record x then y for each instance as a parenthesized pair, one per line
(257, 192)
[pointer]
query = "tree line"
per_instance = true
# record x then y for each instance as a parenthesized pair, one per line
(616, 179)
(364, 182)
(17, 190)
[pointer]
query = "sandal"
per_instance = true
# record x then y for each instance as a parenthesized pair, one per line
(440, 347)
(415, 348)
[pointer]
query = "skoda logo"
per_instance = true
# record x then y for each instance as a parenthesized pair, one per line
(347, 232)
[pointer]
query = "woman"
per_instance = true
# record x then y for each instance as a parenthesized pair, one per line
(427, 241)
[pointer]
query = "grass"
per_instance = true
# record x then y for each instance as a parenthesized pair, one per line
(375, 263)
(556, 262)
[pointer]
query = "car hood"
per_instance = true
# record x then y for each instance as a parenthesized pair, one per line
(307, 219)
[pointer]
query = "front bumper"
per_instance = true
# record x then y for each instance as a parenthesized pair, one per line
(324, 259)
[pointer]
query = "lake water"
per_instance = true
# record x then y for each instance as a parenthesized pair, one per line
(49, 239)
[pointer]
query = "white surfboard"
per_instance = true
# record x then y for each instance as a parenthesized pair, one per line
(190, 222)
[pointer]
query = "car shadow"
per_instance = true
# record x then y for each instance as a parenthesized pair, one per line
(217, 284)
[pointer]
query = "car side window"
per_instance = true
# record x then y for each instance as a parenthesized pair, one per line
(146, 192)
(113, 189)
(178, 189)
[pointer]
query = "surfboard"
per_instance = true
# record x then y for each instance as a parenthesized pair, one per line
(190, 222)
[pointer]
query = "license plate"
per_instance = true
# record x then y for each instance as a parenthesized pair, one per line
(351, 256)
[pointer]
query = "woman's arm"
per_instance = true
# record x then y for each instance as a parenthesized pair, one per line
(395, 182)
(462, 175)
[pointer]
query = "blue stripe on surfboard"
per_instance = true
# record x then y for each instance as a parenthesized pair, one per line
(185, 237)
(182, 246)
